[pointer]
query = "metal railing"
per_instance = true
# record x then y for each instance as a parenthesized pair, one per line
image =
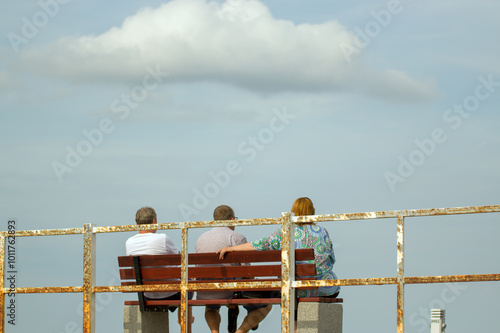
(287, 284)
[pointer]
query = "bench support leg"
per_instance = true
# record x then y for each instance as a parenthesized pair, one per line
(135, 321)
(315, 317)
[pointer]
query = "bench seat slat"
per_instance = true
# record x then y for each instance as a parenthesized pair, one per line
(229, 272)
(210, 258)
(236, 301)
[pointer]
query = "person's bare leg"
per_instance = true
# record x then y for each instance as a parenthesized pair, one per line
(213, 319)
(253, 318)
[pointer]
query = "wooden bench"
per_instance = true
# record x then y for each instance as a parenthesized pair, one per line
(257, 266)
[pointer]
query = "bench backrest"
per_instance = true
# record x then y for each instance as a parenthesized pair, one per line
(155, 269)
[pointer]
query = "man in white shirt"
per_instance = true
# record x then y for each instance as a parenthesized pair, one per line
(148, 242)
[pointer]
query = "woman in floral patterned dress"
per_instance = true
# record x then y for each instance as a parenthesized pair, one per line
(307, 235)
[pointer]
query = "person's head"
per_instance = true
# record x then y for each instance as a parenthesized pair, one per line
(224, 212)
(145, 215)
(303, 206)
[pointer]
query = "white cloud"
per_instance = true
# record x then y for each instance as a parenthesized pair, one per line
(239, 43)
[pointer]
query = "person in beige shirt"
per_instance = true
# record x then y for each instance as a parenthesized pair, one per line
(212, 241)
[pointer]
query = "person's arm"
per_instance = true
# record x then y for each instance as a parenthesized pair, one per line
(170, 246)
(241, 247)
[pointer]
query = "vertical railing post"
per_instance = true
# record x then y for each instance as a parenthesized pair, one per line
(2, 282)
(400, 276)
(184, 281)
(287, 273)
(89, 264)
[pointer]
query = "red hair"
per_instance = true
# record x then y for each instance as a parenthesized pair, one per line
(303, 206)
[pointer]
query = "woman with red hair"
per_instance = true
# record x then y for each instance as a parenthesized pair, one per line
(307, 235)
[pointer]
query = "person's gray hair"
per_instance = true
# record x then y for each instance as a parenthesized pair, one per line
(145, 215)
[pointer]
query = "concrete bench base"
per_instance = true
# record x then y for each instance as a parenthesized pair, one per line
(146, 322)
(312, 318)
(319, 317)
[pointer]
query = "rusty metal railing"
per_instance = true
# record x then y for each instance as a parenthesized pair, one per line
(287, 283)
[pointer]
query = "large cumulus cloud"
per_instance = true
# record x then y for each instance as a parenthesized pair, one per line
(238, 43)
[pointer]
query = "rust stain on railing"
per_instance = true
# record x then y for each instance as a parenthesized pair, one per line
(400, 279)
(452, 278)
(184, 280)
(191, 286)
(88, 279)
(287, 284)
(287, 273)
(46, 290)
(2, 281)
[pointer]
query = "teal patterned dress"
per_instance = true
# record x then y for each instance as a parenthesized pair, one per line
(308, 236)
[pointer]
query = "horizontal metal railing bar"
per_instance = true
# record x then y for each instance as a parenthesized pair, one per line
(393, 280)
(189, 225)
(43, 290)
(46, 232)
(134, 227)
(271, 284)
(452, 278)
(396, 213)
(344, 282)
(190, 287)
(265, 221)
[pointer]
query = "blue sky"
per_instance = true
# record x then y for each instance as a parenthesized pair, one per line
(184, 105)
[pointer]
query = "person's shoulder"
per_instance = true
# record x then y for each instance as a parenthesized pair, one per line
(315, 228)
(207, 233)
(211, 231)
(218, 231)
(237, 234)
(163, 237)
(131, 239)
(200, 241)
(233, 232)
(155, 235)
